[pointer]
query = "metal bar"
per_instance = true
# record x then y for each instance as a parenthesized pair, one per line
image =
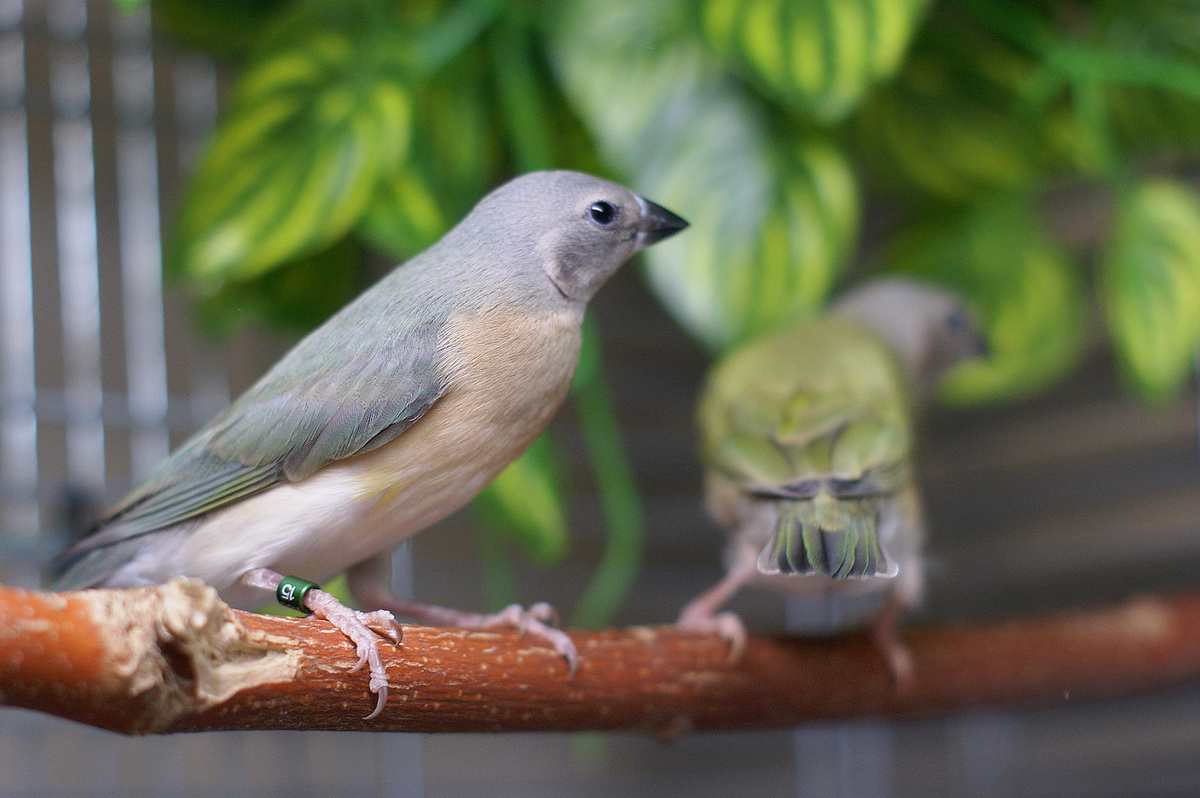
(78, 260)
(195, 111)
(20, 516)
(53, 407)
(141, 253)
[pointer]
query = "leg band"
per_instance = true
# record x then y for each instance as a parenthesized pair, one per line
(291, 590)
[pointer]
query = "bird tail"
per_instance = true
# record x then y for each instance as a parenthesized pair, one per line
(836, 538)
(77, 569)
(96, 560)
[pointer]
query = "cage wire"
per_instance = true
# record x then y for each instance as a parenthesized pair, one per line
(1077, 497)
(100, 373)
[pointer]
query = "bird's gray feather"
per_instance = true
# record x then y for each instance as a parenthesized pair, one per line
(283, 429)
(300, 422)
(379, 364)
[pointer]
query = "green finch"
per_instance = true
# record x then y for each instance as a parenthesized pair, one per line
(806, 435)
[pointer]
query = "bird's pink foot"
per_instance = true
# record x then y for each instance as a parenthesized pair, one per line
(895, 653)
(364, 630)
(535, 621)
(725, 625)
(701, 613)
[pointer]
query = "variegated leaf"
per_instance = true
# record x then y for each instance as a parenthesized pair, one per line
(952, 124)
(1151, 286)
(773, 213)
(819, 56)
(319, 115)
(455, 155)
(1028, 294)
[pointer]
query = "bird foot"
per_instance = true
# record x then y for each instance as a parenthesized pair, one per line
(534, 621)
(364, 630)
(895, 653)
(899, 660)
(725, 625)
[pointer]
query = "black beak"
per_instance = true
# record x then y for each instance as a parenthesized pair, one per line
(657, 223)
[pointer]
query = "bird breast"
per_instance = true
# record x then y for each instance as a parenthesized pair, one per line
(508, 374)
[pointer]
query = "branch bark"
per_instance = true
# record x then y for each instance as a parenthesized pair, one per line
(174, 658)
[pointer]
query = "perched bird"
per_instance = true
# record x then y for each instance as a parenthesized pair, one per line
(806, 436)
(384, 420)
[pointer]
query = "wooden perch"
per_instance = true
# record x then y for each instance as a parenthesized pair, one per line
(174, 658)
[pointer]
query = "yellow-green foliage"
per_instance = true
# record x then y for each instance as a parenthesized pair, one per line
(1028, 292)
(375, 124)
(819, 55)
(1151, 274)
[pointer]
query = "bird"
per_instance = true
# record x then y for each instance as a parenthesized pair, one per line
(392, 414)
(806, 436)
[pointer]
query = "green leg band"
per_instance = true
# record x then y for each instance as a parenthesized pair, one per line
(291, 590)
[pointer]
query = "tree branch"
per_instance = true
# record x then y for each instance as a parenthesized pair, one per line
(174, 658)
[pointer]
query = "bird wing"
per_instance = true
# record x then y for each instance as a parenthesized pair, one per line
(296, 419)
(816, 419)
(819, 403)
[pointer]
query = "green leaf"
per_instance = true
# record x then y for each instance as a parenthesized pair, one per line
(1155, 107)
(526, 503)
(221, 28)
(1028, 294)
(773, 214)
(319, 116)
(1151, 286)
(954, 125)
(455, 158)
(405, 214)
(129, 6)
(295, 297)
(626, 539)
(818, 56)
(1154, 121)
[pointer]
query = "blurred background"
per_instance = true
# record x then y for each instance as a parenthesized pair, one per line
(188, 185)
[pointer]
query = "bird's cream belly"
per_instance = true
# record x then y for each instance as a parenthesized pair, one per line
(352, 510)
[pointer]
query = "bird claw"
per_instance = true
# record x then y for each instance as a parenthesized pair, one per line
(896, 654)
(534, 622)
(725, 625)
(364, 630)
(383, 623)
(543, 611)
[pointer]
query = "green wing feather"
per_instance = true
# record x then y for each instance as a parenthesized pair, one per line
(814, 418)
(297, 418)
(829, 536)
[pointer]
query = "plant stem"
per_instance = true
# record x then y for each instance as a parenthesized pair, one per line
(618, 492)
(495, 565)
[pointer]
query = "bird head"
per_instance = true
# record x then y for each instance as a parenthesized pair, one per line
(929, 329)
(580, 228)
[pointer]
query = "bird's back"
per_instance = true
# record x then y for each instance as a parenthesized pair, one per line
(808, 431)
(819, 399)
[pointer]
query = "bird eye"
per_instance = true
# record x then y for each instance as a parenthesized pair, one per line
(956, 321)
(602, 214)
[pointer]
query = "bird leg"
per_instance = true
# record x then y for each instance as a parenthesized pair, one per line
(700, 614)
(370, 586)
(363, 628)
(895, 653)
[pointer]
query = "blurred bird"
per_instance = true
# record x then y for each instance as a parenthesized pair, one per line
(384, 420)
(806, 436)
